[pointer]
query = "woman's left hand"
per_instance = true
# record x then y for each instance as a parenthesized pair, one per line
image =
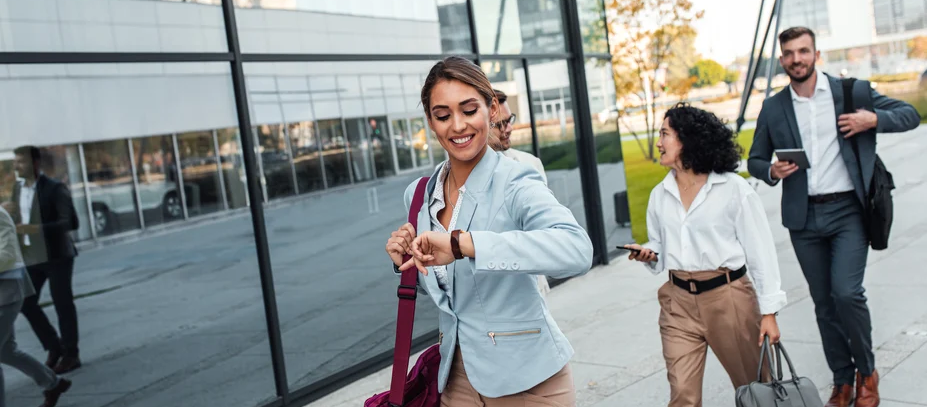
(431, 249)
(769, 326)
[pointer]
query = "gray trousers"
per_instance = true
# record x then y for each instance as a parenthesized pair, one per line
(832, 250)
(12, 356)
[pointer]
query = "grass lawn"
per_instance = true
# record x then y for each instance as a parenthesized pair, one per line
(643, 175)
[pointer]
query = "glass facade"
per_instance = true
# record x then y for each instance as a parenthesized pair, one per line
(807, 13)
(899, 16)
(181, 300)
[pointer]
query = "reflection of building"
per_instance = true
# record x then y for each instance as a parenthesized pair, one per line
(865, 37)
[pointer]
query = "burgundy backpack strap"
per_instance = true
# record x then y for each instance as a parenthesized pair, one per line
(407, 292)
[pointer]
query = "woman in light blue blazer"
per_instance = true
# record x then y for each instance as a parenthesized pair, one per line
(487, 228)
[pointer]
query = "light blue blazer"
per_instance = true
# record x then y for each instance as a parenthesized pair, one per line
(492, 309)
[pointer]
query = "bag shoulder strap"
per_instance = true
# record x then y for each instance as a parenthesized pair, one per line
(407, 292)
(849, 107)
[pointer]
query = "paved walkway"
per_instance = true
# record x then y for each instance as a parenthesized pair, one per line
(610, 314)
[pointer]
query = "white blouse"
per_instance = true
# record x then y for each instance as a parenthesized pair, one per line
(726, 226)
(435, 205)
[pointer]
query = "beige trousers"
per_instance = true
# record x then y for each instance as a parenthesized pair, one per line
(727, 319)
(557, 391)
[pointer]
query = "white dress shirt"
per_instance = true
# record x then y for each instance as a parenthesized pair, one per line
(725, 226)
(526, 158)
(26, 196)
(817, 122)
(435, 205)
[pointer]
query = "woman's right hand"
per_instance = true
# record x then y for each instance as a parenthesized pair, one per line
(640, 253)
(400, 243)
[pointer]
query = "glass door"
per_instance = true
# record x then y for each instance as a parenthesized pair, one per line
(402, 143)
(378, 136)
(359, 148)
(419, 133)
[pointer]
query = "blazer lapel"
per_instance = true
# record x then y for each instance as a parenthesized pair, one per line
(786, 100)
(846, 150)
(430, 282)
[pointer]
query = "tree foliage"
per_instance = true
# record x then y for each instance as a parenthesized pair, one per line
(707, 72)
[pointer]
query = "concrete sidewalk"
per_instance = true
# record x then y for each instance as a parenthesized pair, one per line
(610, 314)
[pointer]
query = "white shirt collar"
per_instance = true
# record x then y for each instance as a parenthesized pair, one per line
(823, 84)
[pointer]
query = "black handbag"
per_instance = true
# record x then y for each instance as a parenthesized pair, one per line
(795, 392)
(878, 208)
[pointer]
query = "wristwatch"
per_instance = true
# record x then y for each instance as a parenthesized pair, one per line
(455, 244)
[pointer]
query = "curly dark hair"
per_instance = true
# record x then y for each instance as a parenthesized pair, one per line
(707, 143)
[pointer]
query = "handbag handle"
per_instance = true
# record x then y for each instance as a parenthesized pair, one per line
(766, 356)
(780, 352)
(407, 292)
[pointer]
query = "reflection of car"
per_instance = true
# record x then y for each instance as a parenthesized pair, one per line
(112, 202)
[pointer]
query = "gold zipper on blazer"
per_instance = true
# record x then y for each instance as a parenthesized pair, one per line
(493, 335)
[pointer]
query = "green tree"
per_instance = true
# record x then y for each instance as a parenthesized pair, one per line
(643, 34)
(707, 73)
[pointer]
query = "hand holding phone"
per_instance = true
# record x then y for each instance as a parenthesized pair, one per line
(640, 253)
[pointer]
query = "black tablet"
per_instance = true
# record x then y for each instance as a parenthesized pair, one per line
(795, 155)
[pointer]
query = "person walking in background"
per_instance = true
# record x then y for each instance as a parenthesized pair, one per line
(822, 206)
(492, 226)
(707, 228)
(501, 140)
(45, 216)
(15, 286)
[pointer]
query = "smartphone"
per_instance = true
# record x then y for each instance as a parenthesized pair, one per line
(635, 251)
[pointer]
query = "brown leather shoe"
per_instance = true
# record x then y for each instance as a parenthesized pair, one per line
(67, 364)
(52, 396)
(53, 358)
(841, 396)
(867, 390)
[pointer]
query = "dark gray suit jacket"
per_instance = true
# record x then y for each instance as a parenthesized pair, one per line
(53, 210)
(777, 128)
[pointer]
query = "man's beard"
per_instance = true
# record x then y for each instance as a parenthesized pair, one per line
(801, 79)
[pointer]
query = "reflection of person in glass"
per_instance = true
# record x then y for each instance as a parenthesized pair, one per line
(45, 215)
(708, 228)
(15, 287)
(500, 139)
(492, 226)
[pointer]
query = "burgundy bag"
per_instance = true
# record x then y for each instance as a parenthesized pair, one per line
(420, 387)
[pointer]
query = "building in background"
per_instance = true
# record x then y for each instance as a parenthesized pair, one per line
(865, 37)
(195, 289)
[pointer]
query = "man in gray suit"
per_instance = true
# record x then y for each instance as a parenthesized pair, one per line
(15, 286)
(822, 206)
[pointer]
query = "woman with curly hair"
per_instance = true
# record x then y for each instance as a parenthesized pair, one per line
(708, 229)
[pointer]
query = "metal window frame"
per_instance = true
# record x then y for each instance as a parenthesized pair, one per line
(256, 193)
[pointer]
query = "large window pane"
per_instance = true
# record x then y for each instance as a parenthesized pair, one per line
(335, 314)
(519, 26)
(112, 190)
(161, 316)
(553, 116)
(111, 26)
(592, 26)
(509, 77)
(157, 179)
(608, 149)
(201, 180)
(419, 133)
(354, 27)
